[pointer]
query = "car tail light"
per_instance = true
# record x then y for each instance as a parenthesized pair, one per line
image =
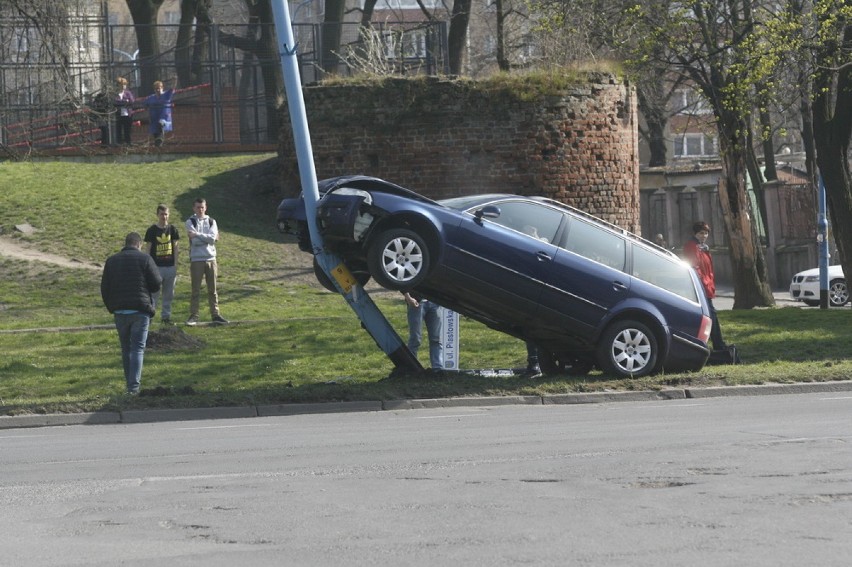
(704, 328)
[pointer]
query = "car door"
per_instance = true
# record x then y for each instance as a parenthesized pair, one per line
(585, 279)
(503, 257)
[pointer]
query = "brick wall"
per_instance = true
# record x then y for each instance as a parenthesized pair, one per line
(444, 138)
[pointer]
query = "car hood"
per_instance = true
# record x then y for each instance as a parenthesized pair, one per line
(833, 272)
(294, 208)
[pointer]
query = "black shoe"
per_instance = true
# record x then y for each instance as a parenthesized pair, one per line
(221, 320)
(532, 371)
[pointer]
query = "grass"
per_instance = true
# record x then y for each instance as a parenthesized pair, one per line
(292, 341)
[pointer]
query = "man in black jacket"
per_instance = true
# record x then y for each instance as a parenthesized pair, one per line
(129, 279)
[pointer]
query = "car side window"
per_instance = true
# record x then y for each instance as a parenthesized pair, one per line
(663, 272)
(595, 243)
(533, 219)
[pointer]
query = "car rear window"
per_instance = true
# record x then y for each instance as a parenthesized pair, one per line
(667, 273)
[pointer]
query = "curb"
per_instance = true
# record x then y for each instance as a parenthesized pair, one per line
(191, 414)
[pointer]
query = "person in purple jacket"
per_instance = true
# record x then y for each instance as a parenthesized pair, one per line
(124, 103)
(160, 105)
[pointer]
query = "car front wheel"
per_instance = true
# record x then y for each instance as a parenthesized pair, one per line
(399, 259)
(628, 349)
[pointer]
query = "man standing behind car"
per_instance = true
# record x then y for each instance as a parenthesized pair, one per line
(128, 280)
(698, 254)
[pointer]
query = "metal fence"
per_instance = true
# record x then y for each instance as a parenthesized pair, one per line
(52, 99)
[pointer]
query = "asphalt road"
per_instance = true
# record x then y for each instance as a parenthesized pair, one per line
(753, 481)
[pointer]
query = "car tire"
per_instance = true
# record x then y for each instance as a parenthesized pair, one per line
(838, 293)
(553, 363)
(628, 349)
(399, 259)
(361, 277)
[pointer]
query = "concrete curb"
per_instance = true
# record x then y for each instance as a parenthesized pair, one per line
(160, 415)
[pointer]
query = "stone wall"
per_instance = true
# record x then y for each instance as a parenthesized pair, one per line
(443, 138)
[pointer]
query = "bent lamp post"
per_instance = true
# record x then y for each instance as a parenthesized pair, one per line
(371, 318)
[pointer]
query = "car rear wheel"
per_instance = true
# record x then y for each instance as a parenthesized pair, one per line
(838, 293)
(628, 349)
(399, 259)
(361, 277)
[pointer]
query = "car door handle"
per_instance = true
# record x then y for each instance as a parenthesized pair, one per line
(619, 286)
(543, 256)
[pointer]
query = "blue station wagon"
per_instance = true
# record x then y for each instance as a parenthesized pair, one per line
(586, 293)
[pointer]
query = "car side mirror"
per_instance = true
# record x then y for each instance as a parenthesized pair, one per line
(488, 211)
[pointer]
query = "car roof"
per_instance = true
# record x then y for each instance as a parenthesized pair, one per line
(367, 182)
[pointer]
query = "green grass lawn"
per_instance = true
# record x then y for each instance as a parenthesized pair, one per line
(291, 341)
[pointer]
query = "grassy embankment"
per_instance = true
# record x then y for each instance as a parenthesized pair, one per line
(291, 340)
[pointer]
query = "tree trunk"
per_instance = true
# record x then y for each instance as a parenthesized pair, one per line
(144, 14)
(331, 34)
(832, 122)
(457, 36)
(183, 44)
(654, 132)
(748, 264)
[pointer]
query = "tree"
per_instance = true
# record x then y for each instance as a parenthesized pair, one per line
(832, 115)
(457, 36)
(144, 14)
(716, 46)
(190, 48)
(330, 35)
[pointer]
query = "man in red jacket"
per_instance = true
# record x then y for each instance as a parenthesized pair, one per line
(698, 254)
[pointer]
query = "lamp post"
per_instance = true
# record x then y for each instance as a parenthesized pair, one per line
(372, 319)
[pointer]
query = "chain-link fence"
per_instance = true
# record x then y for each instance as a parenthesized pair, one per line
(58, 92)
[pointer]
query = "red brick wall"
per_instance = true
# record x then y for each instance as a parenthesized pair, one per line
(444, 138)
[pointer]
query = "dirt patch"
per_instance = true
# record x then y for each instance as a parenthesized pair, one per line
(173, 339)
(14, 249)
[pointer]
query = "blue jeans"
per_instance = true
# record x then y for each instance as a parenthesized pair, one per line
(169, 274)
(429, 311)
(132, 334)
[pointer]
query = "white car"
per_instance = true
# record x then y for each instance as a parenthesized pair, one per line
(805, 287)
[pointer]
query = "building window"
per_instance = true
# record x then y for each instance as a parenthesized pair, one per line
(409, 44)
(690, 102)
(695, 145)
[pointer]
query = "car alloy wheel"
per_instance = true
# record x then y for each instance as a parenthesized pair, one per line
(838, 293)
(399, 259)
(628, 348)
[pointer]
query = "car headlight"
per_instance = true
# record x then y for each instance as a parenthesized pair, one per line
(812, 279)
